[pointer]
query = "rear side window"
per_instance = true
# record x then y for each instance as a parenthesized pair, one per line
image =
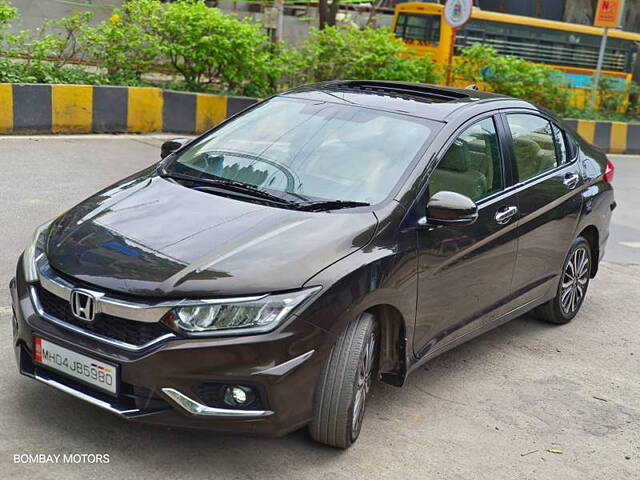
(561, 145)
(534, 144)
(472, 165)
(572, 145)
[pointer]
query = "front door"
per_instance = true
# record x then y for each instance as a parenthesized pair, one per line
(465, 272)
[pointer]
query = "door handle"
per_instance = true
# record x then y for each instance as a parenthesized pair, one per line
(571, 180)
(505, 213)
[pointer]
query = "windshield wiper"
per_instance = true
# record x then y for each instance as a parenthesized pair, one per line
(329, 205)
(217, 184)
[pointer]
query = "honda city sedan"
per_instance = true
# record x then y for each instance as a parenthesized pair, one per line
(262, 276)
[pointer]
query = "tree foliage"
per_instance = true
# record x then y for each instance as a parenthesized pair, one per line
(350, 53)
(187, 45)
(208, 47)
(122, 46)
(46, 55)
(7, 14)
(512, 76)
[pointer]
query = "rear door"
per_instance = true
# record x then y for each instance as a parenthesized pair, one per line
(548, 182)
(465, 271)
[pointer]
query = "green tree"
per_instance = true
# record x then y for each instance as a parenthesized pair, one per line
(123, 45)
(512, 76)
(7, 14)
(211, 49)
(351, 53)
(47, 54)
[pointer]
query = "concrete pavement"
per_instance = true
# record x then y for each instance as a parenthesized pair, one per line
(526, 401)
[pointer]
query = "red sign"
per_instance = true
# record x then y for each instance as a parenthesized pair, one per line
(608, 13)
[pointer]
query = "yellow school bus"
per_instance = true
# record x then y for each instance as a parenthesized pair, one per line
(570, 48)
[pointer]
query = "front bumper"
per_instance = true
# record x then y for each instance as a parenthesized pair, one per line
(158, 385)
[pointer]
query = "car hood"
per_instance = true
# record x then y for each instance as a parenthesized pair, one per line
(149, 236)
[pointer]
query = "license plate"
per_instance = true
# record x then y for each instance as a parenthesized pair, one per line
(98, 374)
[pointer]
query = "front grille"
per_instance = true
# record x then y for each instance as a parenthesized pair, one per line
(121, 329)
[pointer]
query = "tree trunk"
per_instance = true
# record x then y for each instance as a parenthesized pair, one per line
(327, 13)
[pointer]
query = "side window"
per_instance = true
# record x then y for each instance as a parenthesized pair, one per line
(420, 28)
(534, 144)
(472, 165)
(572, 145)
(561, 145)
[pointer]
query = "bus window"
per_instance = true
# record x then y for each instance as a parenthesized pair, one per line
(546, 45)
(423, 29)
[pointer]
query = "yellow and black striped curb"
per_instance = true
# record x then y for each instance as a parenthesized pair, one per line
(611, 137)
(37, 108)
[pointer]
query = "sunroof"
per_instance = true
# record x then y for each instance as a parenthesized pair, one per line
(415, 92)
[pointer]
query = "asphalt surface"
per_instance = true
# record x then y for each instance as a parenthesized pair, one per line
(525, 401)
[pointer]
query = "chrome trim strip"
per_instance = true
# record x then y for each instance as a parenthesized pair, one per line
(60, 288)
(116, 343)
(196, 408)
(87, 398)
(140, 311)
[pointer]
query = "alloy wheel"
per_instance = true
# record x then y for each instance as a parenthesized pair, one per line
(574, 281)
(363, 385)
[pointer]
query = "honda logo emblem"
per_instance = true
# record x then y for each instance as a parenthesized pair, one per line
(83, 305)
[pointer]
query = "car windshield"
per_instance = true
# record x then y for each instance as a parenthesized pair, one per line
(309, 149)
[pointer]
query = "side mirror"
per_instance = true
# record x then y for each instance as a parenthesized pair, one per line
(450, 208)
(172, 145)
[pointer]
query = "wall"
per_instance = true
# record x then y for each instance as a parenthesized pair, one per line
(42, 109)
(29, 108)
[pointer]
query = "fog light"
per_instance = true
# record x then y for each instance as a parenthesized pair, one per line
(238, 396)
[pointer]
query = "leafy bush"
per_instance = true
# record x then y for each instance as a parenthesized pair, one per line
(351, 53)
(508, 75)
(43, 56)
(122, 45)
(7, 14)
(208, 48)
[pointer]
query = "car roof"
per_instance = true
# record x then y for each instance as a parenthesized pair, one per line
(434, 102)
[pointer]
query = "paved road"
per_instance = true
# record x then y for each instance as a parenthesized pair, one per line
(493, 408)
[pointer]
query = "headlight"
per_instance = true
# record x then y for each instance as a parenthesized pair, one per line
(33, 252)
(252, 316)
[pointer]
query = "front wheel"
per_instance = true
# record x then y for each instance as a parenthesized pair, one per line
(341, 393)
(572, 287)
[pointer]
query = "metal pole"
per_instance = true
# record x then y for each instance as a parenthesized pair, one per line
(596, 79)
(454, 34)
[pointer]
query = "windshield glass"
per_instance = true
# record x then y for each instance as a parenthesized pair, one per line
(315, 150)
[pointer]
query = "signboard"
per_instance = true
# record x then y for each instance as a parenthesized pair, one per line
(457, 12)
(608, 13)
(270, 18)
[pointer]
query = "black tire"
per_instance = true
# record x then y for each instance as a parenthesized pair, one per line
(572, 289)
(334, 419)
